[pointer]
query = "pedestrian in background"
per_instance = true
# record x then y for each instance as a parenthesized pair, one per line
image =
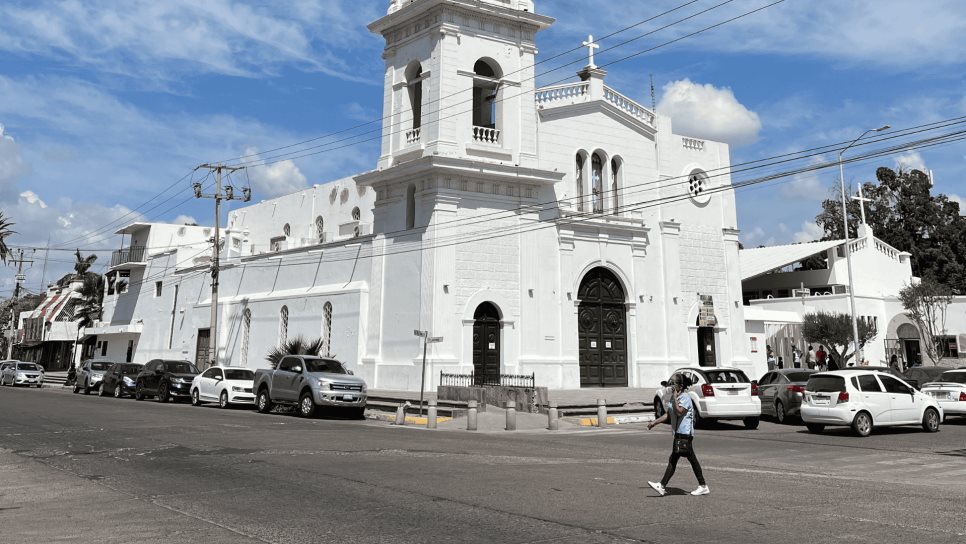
(821, 358)
(781, 362)
(680, 410)
(771, 359)
(810, 359)
(796, 357)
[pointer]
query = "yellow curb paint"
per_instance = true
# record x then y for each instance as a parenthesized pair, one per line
(592, 421)
(410, 420)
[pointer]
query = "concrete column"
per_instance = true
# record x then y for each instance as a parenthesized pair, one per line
(471, 415)
(601, 413)
(431, 415)
(552, 419)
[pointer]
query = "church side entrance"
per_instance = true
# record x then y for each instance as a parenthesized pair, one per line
(602, 330)
(486, 345)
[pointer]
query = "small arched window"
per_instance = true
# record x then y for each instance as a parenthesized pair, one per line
(597, 182)
(287, 229)
(698, 187)
(327, 329)
(486, 90)
(356, 214)
(283, 326)
(414, 80)
(615, 173)
(320, 228)
(246, 336)
(580, 182)
(411, 206)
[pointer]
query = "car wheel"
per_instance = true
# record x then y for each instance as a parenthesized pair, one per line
(263, 403)
(699, 422)
(306, 405)
(76, 388)
(930, 420)
(163, 392)
(815, 428)
(862, 424)
(100, 391)
(780, 412)
(118, 391)
(139, 391)
(658, 408)
(87, 388)
(195, 398)
(223, 400)
(751, 422)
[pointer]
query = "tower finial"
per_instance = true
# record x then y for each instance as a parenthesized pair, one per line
(591, 45)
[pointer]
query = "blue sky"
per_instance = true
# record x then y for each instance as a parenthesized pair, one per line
(104, 104)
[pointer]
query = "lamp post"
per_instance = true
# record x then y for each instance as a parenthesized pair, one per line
(848, 251)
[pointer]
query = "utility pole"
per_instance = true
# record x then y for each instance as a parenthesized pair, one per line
(229, 194)
(13, 302)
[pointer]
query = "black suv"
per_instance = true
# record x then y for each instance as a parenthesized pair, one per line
(165, 379)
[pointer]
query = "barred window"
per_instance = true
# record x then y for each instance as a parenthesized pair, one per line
(327, 329)
(246, 336)
(283, 326)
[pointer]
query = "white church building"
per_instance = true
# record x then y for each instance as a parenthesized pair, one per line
(565, 232)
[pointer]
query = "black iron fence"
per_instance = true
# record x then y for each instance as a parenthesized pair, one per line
(479, 380)
(133, 254)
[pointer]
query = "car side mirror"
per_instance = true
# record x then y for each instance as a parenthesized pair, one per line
(217, 378)
(351, 373)
(664, 383)
(296, 369)
(158, 371)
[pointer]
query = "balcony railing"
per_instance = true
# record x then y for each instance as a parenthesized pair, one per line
(486, 135)
(477, 380)
(412, 136)
(134, 254)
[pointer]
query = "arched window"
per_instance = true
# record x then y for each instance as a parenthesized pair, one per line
(283, 326)
(580, 182)
(411, 206)
(287, 229)
(320, 228)
(414, 80)
(615, 172)
(486, 103)
(356, 214)
(597, 181)
(327, 329)
(246, 336)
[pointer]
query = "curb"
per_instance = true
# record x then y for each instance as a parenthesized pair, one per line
(410, 420)
(616, 420)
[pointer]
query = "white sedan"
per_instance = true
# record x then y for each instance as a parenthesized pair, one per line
(717, 394)
(950, 391)
(225, 385)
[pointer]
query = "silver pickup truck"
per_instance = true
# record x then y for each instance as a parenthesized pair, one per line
(308, 382)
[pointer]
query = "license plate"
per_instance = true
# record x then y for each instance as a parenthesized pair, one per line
(939, 395)
(820, 400)
(732, 391)
(348, 397)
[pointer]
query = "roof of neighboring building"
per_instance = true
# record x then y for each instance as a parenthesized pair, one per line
(757, 261)
(759, 313)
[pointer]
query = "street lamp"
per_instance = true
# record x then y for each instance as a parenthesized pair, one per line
(848, 251)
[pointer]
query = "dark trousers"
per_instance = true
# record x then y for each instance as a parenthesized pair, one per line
(672, 463)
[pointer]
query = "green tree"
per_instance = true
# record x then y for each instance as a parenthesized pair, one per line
(926, 304)
(834, 330)
(92, 297)
(904, 213)
(83, 264)
(295, 346)
(5, 231)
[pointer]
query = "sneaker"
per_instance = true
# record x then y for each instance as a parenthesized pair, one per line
(656, 486)
(701, 490)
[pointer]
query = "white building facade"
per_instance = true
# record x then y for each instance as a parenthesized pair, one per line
(564, 232)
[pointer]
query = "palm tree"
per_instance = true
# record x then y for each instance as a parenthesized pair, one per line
(92, 295)
(83, 264)
(295, 346)
(5, 231)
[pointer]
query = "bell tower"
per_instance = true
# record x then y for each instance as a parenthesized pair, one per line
(459, 80)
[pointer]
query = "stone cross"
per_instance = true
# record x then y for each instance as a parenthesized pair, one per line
(590, 45)
(862, 200)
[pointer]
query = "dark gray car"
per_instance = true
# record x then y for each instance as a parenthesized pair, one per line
(781, 392)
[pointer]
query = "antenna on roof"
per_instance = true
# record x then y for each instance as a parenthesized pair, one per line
(653, 99)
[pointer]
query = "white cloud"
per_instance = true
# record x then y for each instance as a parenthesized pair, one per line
(358, 112)
(807, 185)
(705, 111)
(11, 162)
(810, 232)
(959, 200)
(275, 179)
(184, 220)
(911, 160)
(31, 197)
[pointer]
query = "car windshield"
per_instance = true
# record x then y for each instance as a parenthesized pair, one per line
(27, 366)
(798, 376)
(101, 365)
(239, 374)
(180, 367)
(956, 377)
(726, 376)
(826, 384)
(325, 365)
(130, 370)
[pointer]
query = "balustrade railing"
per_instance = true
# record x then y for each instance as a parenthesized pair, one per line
(134, 254)
(478, 380)
(412, 136)
(629, 106)
(569, 93)
(693, 143)
(486, 135)
(887, 250)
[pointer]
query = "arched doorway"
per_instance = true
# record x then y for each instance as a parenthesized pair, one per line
(602, 330)
(706, 322)
(486, 344)
(911, 349)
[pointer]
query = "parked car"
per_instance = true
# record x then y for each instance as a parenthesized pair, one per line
(224, 385)
(20, 373)
(864, 399)
(717, 394)
(309, 382)
(781, 392)
(919, 375)
(119, 380)
(90, 374)
(165, 380)
(949, 391)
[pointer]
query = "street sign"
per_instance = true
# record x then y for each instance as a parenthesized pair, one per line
(435, 339)
(421, 334)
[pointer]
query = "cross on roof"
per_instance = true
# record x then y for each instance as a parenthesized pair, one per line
(591, 45)
(862, 200)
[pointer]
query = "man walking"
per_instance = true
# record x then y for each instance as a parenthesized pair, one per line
(821, 359)
(680, 409)
(810, 359)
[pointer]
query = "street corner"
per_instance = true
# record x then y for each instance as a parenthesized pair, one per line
(416, 421)
(613, 420)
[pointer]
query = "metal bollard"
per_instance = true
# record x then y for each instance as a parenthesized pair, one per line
(552, 423)
(401, 414)
(511, 416)
(471, 416)
(601, 413)
(431, 415)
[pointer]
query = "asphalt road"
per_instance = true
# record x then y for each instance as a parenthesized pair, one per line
(88, 469)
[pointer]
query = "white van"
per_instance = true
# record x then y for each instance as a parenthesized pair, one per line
(864, 399)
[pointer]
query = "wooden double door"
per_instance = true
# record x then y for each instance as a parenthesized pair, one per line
(486, 345)
(602, 330)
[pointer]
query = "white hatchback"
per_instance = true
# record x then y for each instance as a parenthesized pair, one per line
(950, 391)
(225, 385)
(718, 394)
(863, 399)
